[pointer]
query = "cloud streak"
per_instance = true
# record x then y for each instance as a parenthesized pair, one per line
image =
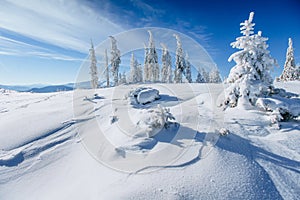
(11, 47)
(67, 24)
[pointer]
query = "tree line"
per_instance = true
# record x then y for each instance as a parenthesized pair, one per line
(151, 70)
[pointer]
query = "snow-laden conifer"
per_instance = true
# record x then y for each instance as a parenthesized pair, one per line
(179, 61)
(139, 73)
(188, 72)
(93, 67)
(106, 68)
(250, 77)
(151, 68)
(200, 78)
(214, 76)
(115, 59)
(133, 70)
(166, 70)
(290, 71)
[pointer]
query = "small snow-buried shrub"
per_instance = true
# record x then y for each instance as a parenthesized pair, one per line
(223, 131)
(153, 120)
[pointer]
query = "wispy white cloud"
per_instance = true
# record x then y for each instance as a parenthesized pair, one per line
(147, 9)
(67, 24)
(11, 47)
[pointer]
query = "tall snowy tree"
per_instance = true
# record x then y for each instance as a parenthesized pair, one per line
(93, 67)
(290, 71)
(214, 76)
(179, 61)
(151, 61)
(250, 77)
(147, 71)
(166, 70)
(106, 68)
(200, 78)
(188, 72)
(205, 75)
(133, 70)
(115, 59)
(139, 73)
(122, 78)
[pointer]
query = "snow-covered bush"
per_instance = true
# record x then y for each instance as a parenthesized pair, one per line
(153, 120)
(250, 78)
(223, 131)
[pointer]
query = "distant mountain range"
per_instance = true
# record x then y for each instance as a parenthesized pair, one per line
(21, 88)
(53, 88)
(41, 88)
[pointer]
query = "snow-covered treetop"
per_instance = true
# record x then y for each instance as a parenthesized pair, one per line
(178, 40)
(114, 48)
(247, 26)
(163, 46)
(151, 41)
(290, 48)
(92, 47)
(186, 56)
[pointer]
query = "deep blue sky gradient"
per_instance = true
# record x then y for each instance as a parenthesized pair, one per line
(213, 23)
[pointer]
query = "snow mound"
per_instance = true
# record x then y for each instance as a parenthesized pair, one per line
(292, 106)
(144, 95)
(147, 96)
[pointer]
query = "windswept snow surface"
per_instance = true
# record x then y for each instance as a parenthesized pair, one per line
(65, 146)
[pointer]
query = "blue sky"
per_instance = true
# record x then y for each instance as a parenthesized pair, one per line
(46, 41)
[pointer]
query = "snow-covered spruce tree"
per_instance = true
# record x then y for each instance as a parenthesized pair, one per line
(106, 68)
(205, 75)
(188, 72)
(147, 71)
(290, 71)
(93, 67)
(122, 78)
(214, 76)
(151, 67)
(298, 72)
(115, 60)
(166, 70)
(250, 77)
(139, 73)
(179, 61)
(200, 78)
(133, 70)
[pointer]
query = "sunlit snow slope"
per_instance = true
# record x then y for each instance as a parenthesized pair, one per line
(71, 145)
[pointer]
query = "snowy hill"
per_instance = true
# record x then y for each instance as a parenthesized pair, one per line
(71, 145)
